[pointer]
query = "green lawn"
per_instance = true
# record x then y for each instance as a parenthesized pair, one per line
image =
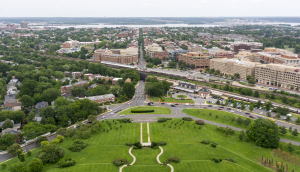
(183, 142)
(182, 96)
(102, 149)
(154, 99)
(157, 110)
(145, 133)
(171, 100)
(225, 118)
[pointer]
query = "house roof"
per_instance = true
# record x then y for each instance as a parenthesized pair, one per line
(42, 104)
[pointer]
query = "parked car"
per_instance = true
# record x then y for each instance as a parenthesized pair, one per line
(261, 113)
(219, 109)
(250, 116)
(176, 104)
(260, 108)
(284, 118)
(103, 117)
(229, 108)
(187, 104)
(209, 105)
(221, 106)
(247, 113)
(204, 107)
(122, 115)
(173, 105)
(162, 103)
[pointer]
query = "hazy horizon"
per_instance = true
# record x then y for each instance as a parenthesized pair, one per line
(149, 8)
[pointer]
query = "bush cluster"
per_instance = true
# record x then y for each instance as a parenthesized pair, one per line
(128, 144)
(200, 122)
(164, 119)
(187, 119)
(50, 153)
(126, 120)
(141, 111)
(174, 159)
(137, 145)
(231, 160)
(205, 142)
(213, 145)
(66, 163)
(162, 143)
(217, 160)
(119, 162)
(154, 145)
(226, 130)
(77, 146)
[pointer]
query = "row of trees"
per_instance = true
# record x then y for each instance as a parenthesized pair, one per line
(156, 88)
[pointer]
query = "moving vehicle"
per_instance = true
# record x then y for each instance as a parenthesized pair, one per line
(250, 116)
(122, 115)
(187, 104)
(209, 105)
(162, 103)
(229, 108)
(247, 113)
(219, 109)
(173, 105)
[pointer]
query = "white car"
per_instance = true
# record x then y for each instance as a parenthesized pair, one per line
(111, 113)
(122, 115)
(261, 113)
(103, 117)
(187, 104)
(260, 108)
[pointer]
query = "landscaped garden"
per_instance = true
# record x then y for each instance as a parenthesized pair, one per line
(146, 110)
(181, 96)
(197, 148)
(170, 100)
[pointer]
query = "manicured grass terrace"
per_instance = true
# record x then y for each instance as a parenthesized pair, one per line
(157, 110)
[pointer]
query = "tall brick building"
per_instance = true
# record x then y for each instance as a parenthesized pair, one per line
(161, 55)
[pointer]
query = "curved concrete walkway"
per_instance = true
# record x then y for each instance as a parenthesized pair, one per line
(157, 158)
(134, 159)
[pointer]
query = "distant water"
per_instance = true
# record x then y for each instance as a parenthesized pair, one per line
(133, 26)
(165, 25)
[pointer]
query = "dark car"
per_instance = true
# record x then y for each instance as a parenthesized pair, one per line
(247, 113)
(176, 104)
(209, 105)
(162, 103)
(173, 105)
(250, 116)
(221, 107)
(229, 108)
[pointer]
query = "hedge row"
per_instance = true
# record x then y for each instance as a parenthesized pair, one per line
(141, 111)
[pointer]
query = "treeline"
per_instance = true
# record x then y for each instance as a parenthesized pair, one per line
(156, 88)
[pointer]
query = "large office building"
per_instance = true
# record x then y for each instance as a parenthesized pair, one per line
(231, 66)
(199, 59)
(278, 75)
(24, 25)
(237, 46)
(123, 56)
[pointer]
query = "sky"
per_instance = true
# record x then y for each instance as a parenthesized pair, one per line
(149, 8)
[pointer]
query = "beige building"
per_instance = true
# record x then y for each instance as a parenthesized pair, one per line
(248, 56)
(232, 66)
(152, 49)
(199, 59)
(123, 56)
(278, 75)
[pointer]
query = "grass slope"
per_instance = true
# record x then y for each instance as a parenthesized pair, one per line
(184, 143)
(157, 110)
(225, 118)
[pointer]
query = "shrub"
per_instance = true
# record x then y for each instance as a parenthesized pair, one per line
(3, 165)
(213, 145)
(187, 119)
(61, 138)
(77, 146)
(137, 145)
(126, 120)
(205, 142)
(35, 165)
(174, 159)
(66, 163)
(162, 143)
(55, 141)
(119, 162)
(40, 139)
(128, 144)
(226, 130)
(141, 111)
(200, 122)
(164, 119)
(216, 160)
(230, 159)
(29, 153)
(153, 144)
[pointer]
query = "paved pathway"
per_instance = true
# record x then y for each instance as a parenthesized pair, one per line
(134, 159)
(141, 133)
(157, 158)
(148, 131)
